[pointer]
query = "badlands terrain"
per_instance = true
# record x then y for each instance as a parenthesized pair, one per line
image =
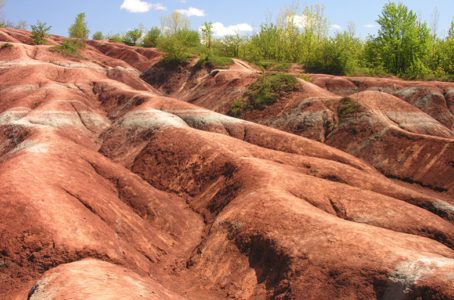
(122, 178)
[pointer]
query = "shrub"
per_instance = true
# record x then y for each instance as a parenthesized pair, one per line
(98, 36)
(151, 38)
(237, 107)
(177, 45)
(212, 61)
(264, 92)
(348, 108)
(6, 46)
(283, 67)
(21, 25)
(69, 48)
(305, 77)
(114, 37)
(39, 33)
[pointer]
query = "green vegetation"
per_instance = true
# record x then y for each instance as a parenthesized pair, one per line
(39, 33)
(177, 38)
(305, 77)
(282, 67)
(79, 30)
(212, 61)
(114, 37)
(264, 92)
(151, 37)
(207, 35)
(348, 108)
(70, 48)
(405, 46)
(6, 46)
(98, 36)
(131, 36)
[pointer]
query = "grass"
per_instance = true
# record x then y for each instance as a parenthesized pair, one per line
(264, 92)
(212, 61)
(282, 67)
(305, 77)
(6, 46)
(348, 108)
(259, 64)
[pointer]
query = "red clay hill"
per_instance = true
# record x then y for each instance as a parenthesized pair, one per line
(114, 189)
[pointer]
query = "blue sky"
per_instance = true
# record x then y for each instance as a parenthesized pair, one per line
(120, 15)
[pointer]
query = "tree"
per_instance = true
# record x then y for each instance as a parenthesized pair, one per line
(98, 36)
(351, 28)
(177, 45)
(207, 35)
(21, 24)
(39, 33)
(402, 40)
(151, 38)
(177, 37)
(173, 23)
(3, 21)
(79, 29)
(233, 43)
(133, 35)
(434, 20)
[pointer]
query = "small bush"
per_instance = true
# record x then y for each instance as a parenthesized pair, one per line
(283, 67)
(69, 48)
(114, 37)
(305, 77)
(348, 108)
(39, 33)
(98, 36)
(212, 61)
(264, 92)
(237, 107)
(6, 46)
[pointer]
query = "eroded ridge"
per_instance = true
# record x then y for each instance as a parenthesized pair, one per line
(105, 180)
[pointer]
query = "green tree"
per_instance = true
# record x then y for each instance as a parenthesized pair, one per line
(177, 37)
(133, 35)
(98, 36)
(39, 33)
(151, 38)
(402, 40)
(173, 23)
(21, 24)
(233, 44)
(207, 33)
(79, 29)
(3, 20)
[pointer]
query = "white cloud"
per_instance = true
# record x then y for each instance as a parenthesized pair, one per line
(220, 30)
(183, 1)
(369, 25)
(299, 21)
(192, 12)
(335, 26)
(137, 6)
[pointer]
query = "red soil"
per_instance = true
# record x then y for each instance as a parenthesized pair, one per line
(112, 190)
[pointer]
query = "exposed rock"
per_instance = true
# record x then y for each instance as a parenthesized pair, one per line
(111, 190)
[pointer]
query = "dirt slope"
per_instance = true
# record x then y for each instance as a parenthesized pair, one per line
(404, 129)
(112, 190)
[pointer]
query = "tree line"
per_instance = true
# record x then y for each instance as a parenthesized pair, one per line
(405, 44)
